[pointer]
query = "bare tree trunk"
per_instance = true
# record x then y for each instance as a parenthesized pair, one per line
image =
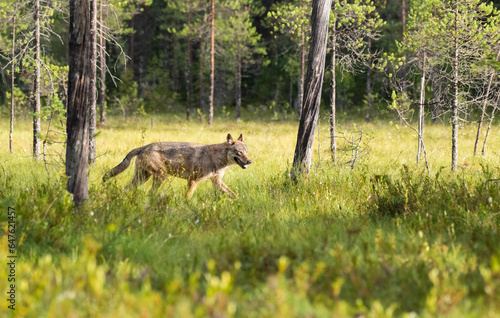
(368, 86)
(314, 83)
(102, 50)
(36, 110)
(454, 119)
(212, 67)
(300, 88)
(81, 94)
(403, 22)
(238, 86)
(93, 89)
(489, 125)
(421, 112)
(333, 84)
(188, 64)
(201, 87)
(12, 83)
(483, 110)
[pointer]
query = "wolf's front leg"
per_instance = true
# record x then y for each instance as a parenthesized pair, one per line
(219, 184)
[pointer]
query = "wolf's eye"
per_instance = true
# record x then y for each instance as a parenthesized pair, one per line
(239, 153)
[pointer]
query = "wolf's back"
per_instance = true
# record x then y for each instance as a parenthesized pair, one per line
(124, 164)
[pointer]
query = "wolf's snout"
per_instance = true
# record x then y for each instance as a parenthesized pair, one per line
(249, 162)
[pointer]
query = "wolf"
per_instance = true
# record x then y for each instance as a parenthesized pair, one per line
(191, 161)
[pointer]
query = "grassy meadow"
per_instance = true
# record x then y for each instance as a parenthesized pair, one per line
(382, 237)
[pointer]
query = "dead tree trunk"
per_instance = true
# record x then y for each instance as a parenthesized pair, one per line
(212, 67)
(489, 124)
(314, 83)
(81, 94)
(333, 139)
(454, 118)
(485, 104)
(421, 112)
(36, 88)
(12, 83)
(201, 87)
(93, 91)
(102, 53)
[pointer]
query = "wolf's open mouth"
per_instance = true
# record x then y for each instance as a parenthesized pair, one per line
(240, 163)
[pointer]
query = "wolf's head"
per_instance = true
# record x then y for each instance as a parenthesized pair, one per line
(237, 152)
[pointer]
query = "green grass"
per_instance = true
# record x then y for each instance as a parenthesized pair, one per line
(388, 238)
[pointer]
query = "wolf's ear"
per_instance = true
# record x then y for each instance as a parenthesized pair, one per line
(241, 138)
(230, 139)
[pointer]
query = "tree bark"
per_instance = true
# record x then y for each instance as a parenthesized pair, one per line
(333, 84)
(93, 91)
(102, 50)
(421, 112)
(12, 83)
(36, 88)
(212, 67)
(314, 83)
(454, 119)
(81, 94)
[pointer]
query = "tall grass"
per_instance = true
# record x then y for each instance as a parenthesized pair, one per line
(386, 238)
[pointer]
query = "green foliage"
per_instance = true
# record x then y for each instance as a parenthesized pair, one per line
(382, 240)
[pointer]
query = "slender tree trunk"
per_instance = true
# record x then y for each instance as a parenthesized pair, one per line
(290, 96)
(300, 88)
(314, 83)
(368, 86)
(333, 84)
(421, 112)
(12, 78)
(454, 119)
(81, 94)
(238, 86)
(403, 22)
(132, 57)
(93, 90)
(102, 50)
(201, 87)
(483, 110)
(36, 110)
(212, 67)
(489, 125)
(188, 64)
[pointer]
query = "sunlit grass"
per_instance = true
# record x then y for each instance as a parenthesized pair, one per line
(386, 237)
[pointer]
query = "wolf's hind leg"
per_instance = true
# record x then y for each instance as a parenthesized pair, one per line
(158, 179)
(140, 177)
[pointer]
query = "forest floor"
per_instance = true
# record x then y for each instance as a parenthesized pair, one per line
(379, 236)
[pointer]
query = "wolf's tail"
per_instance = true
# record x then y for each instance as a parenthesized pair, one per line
(124, 164)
